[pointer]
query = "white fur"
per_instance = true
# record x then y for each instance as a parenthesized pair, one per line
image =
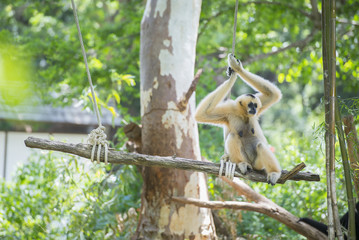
(245, 143)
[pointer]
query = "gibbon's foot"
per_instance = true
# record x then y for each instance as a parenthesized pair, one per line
(245, 167)
(273, 177)
(230, 169)
(224, 158)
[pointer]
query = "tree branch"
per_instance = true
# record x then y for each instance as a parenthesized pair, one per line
(292, 172)
(285, 5)
(119, 157)
(299, 43)
(346, 21)
(288, 219)
(184, 101)
(262, 205)
(268, 208)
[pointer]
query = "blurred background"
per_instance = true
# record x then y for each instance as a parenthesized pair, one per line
(44, 92)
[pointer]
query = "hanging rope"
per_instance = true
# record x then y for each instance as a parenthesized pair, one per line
(235, 27)
(229, 70)
(98, 135)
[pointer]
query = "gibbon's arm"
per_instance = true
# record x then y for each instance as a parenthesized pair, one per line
(269, 94)
(211, 109)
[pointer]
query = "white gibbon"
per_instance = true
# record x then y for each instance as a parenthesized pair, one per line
(245, 144)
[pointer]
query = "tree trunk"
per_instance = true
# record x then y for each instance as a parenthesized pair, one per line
(168, 43)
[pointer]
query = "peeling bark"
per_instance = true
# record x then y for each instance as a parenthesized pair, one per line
(168, 42)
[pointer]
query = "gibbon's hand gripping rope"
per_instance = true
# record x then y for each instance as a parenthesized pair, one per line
(98, 135)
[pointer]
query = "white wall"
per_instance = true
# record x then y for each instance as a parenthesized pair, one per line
(2, 152)
(18, 153)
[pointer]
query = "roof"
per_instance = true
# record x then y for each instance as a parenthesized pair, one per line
(50, 114)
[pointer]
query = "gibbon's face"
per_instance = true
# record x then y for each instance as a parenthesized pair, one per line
(250, 104)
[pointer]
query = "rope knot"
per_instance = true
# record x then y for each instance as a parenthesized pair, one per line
(98, 137)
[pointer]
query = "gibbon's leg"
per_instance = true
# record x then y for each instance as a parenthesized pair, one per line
(244, 167)
(234, 147)
(266, 160)
(230, 168)
(269, 93)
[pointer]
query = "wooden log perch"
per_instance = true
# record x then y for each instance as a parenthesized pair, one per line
(119, 157)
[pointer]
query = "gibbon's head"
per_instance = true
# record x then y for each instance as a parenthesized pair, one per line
(249, 104)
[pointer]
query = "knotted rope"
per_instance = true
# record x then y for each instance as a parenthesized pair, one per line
(98, 135)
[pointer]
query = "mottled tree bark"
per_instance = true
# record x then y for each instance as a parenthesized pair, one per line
(168, 42)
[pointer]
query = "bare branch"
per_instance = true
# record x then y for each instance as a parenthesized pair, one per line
(294, 171)
(271, 210)
(244, 190)
(119, 157)
(346, 21)
(299, 43)
(184, 101)
(285, 5)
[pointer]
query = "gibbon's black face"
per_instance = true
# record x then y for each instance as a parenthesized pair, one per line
(250, 103)
(252, 108)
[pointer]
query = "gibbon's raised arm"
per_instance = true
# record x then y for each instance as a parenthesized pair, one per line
(269, 94)
(212, 109)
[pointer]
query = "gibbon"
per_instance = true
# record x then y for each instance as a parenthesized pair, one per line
(344, 221)
(245, 144)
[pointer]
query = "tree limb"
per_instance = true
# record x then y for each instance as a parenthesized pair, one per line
(243, 189)
(271, 210)
(299, 43)
(261, 204)
(284, 5)
(119, 157)
(346, 21)
(292, 172)
(184, 101)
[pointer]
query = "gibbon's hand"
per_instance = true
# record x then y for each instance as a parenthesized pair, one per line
(234, 63)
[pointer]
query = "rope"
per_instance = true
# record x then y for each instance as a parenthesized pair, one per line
(235, 27)
(87, 67)
(96, 136)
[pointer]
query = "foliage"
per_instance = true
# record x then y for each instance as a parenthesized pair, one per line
(45, 32)
(61, 197)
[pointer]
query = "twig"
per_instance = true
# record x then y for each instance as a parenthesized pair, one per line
(346, 21)
(271, 210)
(299, 43)
(284, 5)
(184, 101)
(292, 172)
(119, 157)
